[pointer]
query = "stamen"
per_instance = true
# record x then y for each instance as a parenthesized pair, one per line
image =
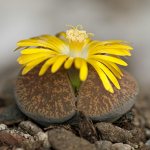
(76, 34)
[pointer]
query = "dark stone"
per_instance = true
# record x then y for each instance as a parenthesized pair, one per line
(10, 115)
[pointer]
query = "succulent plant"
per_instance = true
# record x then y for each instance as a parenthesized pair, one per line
(101, 90)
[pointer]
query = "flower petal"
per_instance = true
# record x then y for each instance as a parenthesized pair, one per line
(37, 50)
(112, 46)
(47, 64)
(46, 41)
(118, 46)
(103, 77)
(119, 52)
(111, 42)
(58, 63)
(112, 69)
(109, 74)
(83, 70)
(109, 58)
(116, 68)
(68, 62)
(77, 62)
(32, 64)
(23, 59)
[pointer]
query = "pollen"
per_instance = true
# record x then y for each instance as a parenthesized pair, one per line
(76, 35)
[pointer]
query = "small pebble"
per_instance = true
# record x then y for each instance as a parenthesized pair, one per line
(62, 139)
(113, 133)
(30, 127)
(103, 145)
(146, 115)
(147, 132)
(136, 146)
(138, 135)
(121, 146)
(43, 137)
(3, 127)
(147, 142)
(10, 138)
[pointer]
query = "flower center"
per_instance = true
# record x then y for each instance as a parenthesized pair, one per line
(76, 35)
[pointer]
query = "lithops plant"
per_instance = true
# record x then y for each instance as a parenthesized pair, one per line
(90, 80)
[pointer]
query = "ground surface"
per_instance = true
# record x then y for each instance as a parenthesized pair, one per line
(130, 132)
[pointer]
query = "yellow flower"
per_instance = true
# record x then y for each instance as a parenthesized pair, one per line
(75, 46)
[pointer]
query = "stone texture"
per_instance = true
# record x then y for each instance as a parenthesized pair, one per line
(147, 142)
(113, 133)
(11, 138)
(43, 138)
(11, 114)
(62, 139)
(30, 127)
(103, 145)
(121, 146)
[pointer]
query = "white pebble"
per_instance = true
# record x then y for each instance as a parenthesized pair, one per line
(3, 127)
(19, 149)
(121, 146)
(41, 136)
(148, 143)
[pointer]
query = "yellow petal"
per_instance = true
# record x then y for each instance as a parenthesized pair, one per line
(61, 35)
(46, 41)
(108, 58)
(18, 48)
(32, 64)
(47, 64)
(119, 52)
(91, 45)
(23, 59)
(112, 69)
(37, 50)
(116, 68)
(103, 77)
(110, 42)
(119, 46)
(102, 45)
(83, 70)
(77, 62)
(68, 62)
(58, 63)
(109, 74)
(114, 46)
